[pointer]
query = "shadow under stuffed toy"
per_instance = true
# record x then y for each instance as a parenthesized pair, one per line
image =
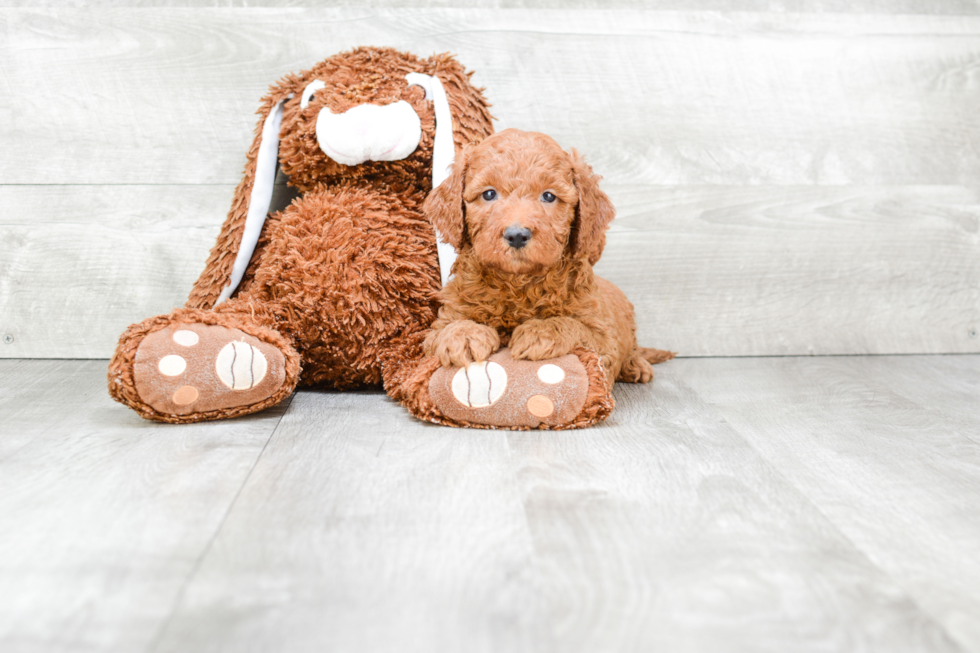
(340, 288)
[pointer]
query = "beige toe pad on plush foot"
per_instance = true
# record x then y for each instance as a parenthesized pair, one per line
(197, 368)
(507, 392)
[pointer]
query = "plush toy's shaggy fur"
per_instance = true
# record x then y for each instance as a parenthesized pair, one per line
(534, 292)
(344, 283)
(349, 268)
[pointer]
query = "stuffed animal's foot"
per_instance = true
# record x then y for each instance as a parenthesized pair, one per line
(187, 372)
(570, 391)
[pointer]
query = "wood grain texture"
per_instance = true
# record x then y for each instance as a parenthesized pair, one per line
(104, 515)
(662, 97)
(78, 264)
(791, 178)
(890, 7)
(711, 270)
(365, 530)
(799, 270)
(660, 530)
(886, 448)
(947, 386)
(780, 504)
(665, 530)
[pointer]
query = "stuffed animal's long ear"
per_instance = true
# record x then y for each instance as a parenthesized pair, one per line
(444, 205)
(239, 234)
(471, 112)
(594, 211)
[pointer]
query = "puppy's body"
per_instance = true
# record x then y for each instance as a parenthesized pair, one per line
(528, 220)
(538, 317)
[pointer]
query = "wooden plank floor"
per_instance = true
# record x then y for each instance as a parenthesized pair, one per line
(741, 504)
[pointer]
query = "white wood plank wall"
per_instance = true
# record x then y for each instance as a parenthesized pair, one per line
(791, 177)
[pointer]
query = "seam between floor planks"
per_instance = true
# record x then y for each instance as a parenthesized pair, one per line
(158, 637)
(919, 581)
(686, 395)
(828, 518)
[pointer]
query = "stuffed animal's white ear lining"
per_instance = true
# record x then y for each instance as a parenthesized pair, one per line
(261, 197)
(309, 92)
(443, 155)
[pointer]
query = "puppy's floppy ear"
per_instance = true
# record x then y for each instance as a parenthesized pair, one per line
(249, 208)
(594, 211)
(444, 205)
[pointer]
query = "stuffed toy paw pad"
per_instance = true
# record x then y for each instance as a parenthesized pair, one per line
(510, 393)
(186, 369)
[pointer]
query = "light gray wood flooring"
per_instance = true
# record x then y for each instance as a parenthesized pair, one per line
(792, 177)
(735, 504)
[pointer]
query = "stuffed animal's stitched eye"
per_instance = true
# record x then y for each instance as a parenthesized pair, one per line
(309, 92)
(548, 197)
(489, 194)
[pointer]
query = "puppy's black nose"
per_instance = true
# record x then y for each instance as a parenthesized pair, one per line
(517, 237)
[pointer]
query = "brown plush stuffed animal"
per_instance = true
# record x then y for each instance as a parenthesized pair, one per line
(336, 280)
(341, 286)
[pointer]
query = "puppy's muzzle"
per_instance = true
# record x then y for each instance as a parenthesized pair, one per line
(517, 237)
(369, 132)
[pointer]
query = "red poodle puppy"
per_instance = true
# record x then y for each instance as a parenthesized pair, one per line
(529, 221)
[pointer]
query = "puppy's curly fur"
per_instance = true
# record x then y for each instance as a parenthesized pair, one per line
(539, 297)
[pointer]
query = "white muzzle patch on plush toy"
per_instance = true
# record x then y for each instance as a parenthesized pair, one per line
(369, 132)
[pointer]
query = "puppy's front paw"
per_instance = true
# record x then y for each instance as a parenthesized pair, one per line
(462, 342)
(636, 370)
(537, 340)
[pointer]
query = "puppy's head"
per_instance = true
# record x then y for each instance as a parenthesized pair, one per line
(522, 203)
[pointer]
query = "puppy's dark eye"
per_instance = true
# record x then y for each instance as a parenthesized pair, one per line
(489, 194)
(548, 197)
